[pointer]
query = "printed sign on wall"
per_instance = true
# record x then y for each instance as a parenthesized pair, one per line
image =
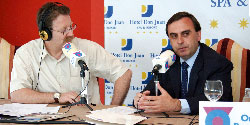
(135, 31)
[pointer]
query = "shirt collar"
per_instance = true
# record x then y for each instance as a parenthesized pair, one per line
(44, 51)
(191, 60)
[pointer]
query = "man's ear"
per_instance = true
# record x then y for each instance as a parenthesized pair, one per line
(198, 36)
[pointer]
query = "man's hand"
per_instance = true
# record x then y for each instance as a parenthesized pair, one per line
(26, 95)
(162, 103)
(138, 97)
(69, 97)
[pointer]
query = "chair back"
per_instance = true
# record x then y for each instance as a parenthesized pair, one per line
(240, 57)
(6, 62)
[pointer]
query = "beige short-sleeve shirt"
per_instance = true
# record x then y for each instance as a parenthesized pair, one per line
(59, 75)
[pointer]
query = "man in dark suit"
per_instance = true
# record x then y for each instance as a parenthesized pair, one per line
(182, 86)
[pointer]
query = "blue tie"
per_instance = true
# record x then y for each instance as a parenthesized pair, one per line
(184, 81)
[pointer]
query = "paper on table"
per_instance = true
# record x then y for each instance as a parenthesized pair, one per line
(118, 115)
(95, 122)
(43, 117)
(119, 109)
(17, 109)
(112, 117)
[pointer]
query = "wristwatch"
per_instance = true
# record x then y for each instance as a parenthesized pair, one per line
(56, 97)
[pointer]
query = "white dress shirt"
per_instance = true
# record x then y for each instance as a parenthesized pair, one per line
(59, 75)
(185, 109)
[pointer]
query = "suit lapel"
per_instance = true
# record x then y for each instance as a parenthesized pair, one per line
(175, 76)
(195, 71)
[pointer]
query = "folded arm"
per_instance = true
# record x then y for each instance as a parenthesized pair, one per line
(26, 95)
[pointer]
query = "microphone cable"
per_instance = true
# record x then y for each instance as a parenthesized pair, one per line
(191, 122)
(140, 111)
(78, 96)
(40, 63)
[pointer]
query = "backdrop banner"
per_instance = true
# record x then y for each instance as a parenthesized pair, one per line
(135, 31)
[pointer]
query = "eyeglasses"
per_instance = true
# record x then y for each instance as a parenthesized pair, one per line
(67, 30)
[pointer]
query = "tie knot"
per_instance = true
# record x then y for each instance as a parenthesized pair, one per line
(184, 65)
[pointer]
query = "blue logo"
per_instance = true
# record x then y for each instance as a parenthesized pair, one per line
(166, 45)
(78, 54)
(126, 44)
(106, 81)
(174, 58)
(147, 11)
(109, 12)
(146, 77)
(67, 46)
(166, 65)
(210, 43)
(218, 115)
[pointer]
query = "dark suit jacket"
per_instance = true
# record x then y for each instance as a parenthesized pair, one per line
(209, 65)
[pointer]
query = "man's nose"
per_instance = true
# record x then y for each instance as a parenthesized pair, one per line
(180, 40)
(70, 33)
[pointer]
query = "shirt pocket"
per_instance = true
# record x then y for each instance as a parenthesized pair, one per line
(75, 82)
(75, 71)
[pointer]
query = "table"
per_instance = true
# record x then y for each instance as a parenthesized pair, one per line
(79, 113)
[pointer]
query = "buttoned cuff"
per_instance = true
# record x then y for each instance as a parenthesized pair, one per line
(185, 109)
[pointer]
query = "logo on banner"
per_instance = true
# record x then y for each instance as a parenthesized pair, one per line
(146, 77)
(106, 81)
(221, 3)
(147, 11)
(108, 88)
(218, 115)
(126, 44)
(108, 12)
(140, 87)
(210, 43)
(166, 44)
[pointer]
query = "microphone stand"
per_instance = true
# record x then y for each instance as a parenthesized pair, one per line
(83, 99)
(156, 80)
(155, 71)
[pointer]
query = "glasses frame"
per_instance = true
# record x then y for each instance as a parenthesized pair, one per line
(67, 30)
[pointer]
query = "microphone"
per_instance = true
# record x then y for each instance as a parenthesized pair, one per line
(77, 59)
(76, 56)
(162, 63)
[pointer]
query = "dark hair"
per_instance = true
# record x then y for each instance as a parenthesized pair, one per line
(181, 15)
(50, 11)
